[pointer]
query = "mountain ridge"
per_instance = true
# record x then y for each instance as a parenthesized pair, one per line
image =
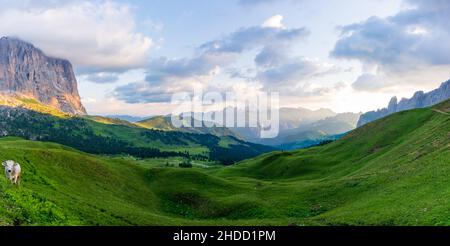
(26, 71)
(297, 125)
(420, 99)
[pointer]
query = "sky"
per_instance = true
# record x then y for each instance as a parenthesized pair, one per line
(347, 55)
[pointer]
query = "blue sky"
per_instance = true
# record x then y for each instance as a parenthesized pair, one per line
(347, 55)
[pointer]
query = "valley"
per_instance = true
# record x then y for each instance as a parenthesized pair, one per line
(299, 127)
(392, 171)
(108, 137)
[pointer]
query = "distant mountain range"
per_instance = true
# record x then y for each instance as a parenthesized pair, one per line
(128, 118)
(419, 100)
(301, 127)
(313, 133)
(165, 123)
(294, 117)
(298, 127)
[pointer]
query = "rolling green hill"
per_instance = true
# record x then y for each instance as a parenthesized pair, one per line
(164, 123)
(394, 171)
(158, 123)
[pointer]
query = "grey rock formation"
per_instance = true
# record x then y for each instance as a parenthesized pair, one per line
(392, 107)
(26, 70)
(419, 100)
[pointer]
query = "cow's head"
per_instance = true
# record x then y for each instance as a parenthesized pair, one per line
(9, 166)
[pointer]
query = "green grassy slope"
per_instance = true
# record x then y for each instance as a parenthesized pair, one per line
(394, 171)
(62, 186)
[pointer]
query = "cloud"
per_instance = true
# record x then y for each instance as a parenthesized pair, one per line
(274, 67)
(269, 56)
(293, 76)
(164, 69)
(112, 106)
(254, 2)
(368, 82)
(274, 22)
(246, 39)
(223, 51)
(145, 92)
(166, 76)
(95, 36)
(312, 91)
(292, 71)
(416, 38)
(395, 82)
(274, 64)
(103, 77)
(142, 92)
(277, 67)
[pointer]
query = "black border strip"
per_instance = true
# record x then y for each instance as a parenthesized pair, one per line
(283, 234)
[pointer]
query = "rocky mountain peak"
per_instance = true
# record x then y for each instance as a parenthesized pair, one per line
(26, 71)
(392, 107)
(420, 99)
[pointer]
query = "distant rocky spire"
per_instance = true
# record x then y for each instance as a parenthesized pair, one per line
(392, 107)
(420, 99)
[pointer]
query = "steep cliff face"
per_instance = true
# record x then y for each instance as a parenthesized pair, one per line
(26, 70)
(419, 100)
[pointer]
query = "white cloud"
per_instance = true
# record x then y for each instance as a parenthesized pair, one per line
(112, 106)
(369, 82)
(98, 36)
(88, 100)
(384, 81)
(275, 21)
(408, 49)
(102, 77)
(166, 76)
(254, 2)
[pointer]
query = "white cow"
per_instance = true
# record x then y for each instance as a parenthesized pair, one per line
(12, 171)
